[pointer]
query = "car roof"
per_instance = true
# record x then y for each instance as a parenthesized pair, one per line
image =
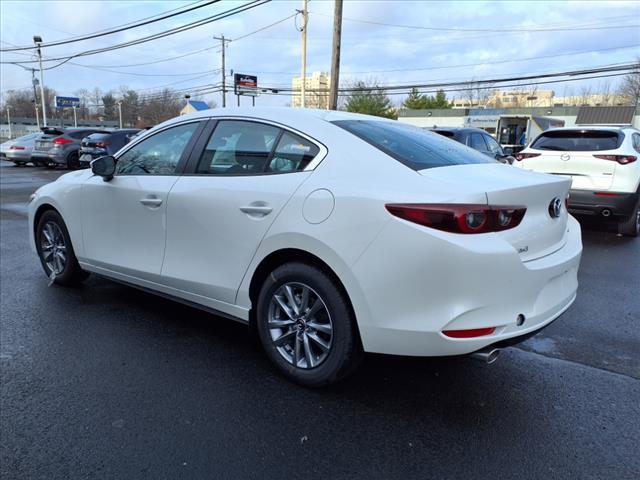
(276, 114)
(606, 128)
(458, 129)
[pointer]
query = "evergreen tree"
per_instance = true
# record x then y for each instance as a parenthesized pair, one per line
(370, 100)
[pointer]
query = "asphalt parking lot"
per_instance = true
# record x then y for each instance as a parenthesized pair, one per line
(105, 381)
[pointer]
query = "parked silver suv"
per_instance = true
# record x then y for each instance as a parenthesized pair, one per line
(60, 146)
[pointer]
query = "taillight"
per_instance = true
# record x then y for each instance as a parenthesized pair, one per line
(103, 144)
(16, 147)
(459, 217)
(471, 333)
(621, 159)
(61, 141)
(522, 156)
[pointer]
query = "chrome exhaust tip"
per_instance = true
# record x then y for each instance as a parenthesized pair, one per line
(606, 212)
(488, 355)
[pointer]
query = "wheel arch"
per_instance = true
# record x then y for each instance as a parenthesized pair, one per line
(39, 212)
(286, 255)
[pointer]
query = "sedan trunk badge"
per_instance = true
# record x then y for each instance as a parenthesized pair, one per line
(555, 207)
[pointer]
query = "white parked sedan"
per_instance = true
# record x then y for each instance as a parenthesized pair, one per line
(331, 233)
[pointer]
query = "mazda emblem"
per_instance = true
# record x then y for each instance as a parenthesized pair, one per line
(555, 207)
(565, 157)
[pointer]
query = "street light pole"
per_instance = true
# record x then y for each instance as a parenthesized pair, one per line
(9, 122)
(38, 40)
(120, 112)
(75, 118)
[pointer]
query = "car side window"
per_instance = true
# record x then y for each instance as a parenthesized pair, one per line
(494, 147)
(238, 147)
(292, 153)
(477, 142)
(157, 155)
(636, 142)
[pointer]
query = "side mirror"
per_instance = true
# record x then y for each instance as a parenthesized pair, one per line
(104, 166)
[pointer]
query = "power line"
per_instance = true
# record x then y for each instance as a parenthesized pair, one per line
(156, 36)
(492, 30)
(115, 30)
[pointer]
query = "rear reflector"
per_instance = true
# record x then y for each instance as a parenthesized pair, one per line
(475, 332)
(459, 217)
(522, 156)
(61, 141)
(606, 194)
(16, 147)
(621, 159)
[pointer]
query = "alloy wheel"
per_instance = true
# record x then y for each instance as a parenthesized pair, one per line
(300, 325)
(53, 247)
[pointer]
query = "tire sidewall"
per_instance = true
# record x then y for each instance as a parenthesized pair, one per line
(344, 339)
(71, 267)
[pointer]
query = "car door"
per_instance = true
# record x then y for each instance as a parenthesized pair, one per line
(124, 219)
(495, 150)
(220, 210)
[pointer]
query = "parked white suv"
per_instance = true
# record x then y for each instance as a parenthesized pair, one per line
(603, 165)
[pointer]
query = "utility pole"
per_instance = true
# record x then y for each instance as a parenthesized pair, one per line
(120, 112)
(303, 79)
(224, 42)
(38, 40)
(75, 117)
(335, 56)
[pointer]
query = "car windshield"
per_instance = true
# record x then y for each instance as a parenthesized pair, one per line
(444, 133)
(578, 140)
(411, 145)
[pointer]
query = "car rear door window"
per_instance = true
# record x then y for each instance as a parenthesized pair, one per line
(158, 154)
(239, 147)
(578, 140)
(412, 146)
(292, 153)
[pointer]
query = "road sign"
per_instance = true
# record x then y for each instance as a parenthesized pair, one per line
(67, 102)
(245, 84)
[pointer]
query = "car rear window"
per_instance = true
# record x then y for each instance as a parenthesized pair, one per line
(578, 140)
(412, 146)
(444, 133)
(99, 136)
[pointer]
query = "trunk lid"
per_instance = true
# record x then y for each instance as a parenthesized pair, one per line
(45, 142)
(585, 171)
(539, 233)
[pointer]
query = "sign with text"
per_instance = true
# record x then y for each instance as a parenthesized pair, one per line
(67, 102)
(245, 84)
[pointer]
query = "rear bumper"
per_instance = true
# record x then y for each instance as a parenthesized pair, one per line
(467, 284)
(586, 202)
(48, 157)
(17, 156)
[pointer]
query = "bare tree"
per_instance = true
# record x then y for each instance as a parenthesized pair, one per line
(605, 93)
(630, 87)
(585, 95)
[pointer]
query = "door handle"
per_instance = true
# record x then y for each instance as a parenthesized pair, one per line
(257, 209)
(151, 201)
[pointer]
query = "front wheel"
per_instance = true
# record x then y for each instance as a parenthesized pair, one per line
(55, 250)
(306, 325)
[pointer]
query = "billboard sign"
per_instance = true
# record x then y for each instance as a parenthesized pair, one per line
(67, 102)
(245, 84)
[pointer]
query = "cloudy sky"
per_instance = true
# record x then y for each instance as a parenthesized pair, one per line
(392, 42)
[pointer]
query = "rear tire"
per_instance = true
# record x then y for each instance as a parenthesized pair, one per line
(55, 250)
(73, 161)
(314, 340)
(631, 227)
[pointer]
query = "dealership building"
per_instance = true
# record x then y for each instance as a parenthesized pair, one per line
(487, 118)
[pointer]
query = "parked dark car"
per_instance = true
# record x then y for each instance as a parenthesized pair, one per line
(60, 146)
(100, 144)
(477, 139)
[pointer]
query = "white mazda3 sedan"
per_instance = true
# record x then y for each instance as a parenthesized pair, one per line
(332, 234)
